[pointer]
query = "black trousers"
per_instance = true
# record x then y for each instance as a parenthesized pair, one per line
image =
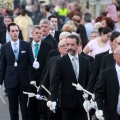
(73, 114)
(16, 97)
(34, 106)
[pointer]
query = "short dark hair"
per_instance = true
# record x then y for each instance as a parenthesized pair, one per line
(87, 17)
(52, 16)
(47, 8)
(114, 35)
(9, 17)
(76, 37)
(12, 24)
(104, 30)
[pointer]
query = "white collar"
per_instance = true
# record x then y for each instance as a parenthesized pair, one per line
(71, 56)
(36, 42)
(52, 31)
(117, 67)
(110, 51)
(12, 42)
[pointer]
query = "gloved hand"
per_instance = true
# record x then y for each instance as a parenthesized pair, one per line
(93, 104)
(51, 105)
(99, 114)
(39, 97)
(93, 97)
(87, 105)
(79, 87)
(36, 64)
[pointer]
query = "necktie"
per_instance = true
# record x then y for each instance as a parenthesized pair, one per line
(36, 50)
(15, 50)
(118, 105)
(74, 66)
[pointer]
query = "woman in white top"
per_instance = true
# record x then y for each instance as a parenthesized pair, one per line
(99, 44)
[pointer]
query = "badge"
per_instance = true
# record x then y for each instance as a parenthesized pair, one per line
(15, 64)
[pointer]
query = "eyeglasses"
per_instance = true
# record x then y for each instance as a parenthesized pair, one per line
(117, 54)
(62, 46)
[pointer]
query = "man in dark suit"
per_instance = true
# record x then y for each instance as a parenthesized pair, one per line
(108, 60)
(16, 56)
(4, 36)
(48, 76)
(41, 56)
(107, 93)
(45, 24)
(71, 68)
(98, 61)
(53, 25)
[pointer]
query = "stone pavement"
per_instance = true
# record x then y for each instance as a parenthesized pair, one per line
(4, 109)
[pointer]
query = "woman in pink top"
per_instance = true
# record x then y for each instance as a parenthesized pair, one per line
(100, 44)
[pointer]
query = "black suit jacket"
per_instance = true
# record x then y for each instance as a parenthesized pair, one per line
(95, 72)
(64, 76)
(107, 61)
(48, 76)
(52, 40)
(56, 35)
(15, 75)
(106, 93)
(2, 25)
(45, 47)
(91, 59)
(53, 53)
(3, 36)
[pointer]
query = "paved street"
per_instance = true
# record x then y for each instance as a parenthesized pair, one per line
(4, 110)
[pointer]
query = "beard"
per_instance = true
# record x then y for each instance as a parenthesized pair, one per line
(71, 52)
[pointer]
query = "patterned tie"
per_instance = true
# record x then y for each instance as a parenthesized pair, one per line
(15, 50)
(36, 49)
(74, 66)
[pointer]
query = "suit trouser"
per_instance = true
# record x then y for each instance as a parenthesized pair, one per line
(73, 114)
(16, 96)
(34, 107)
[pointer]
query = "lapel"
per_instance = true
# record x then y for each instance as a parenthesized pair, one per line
(20, 48)
(115, 79)
(80, 66)
(10, 51)
(70, 67)
(41, 50)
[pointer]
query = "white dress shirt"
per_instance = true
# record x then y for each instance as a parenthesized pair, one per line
(33, 46)
(53, 32)
(118, 76)
(118, 72)
(76, 61)
(18, 44)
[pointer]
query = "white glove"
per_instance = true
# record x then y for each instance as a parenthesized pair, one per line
(93, 97)
(36, 64)
(99, 114)
(39, 97)
(93, 104)
(79, 87)
(87, 105)
(51, 105)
